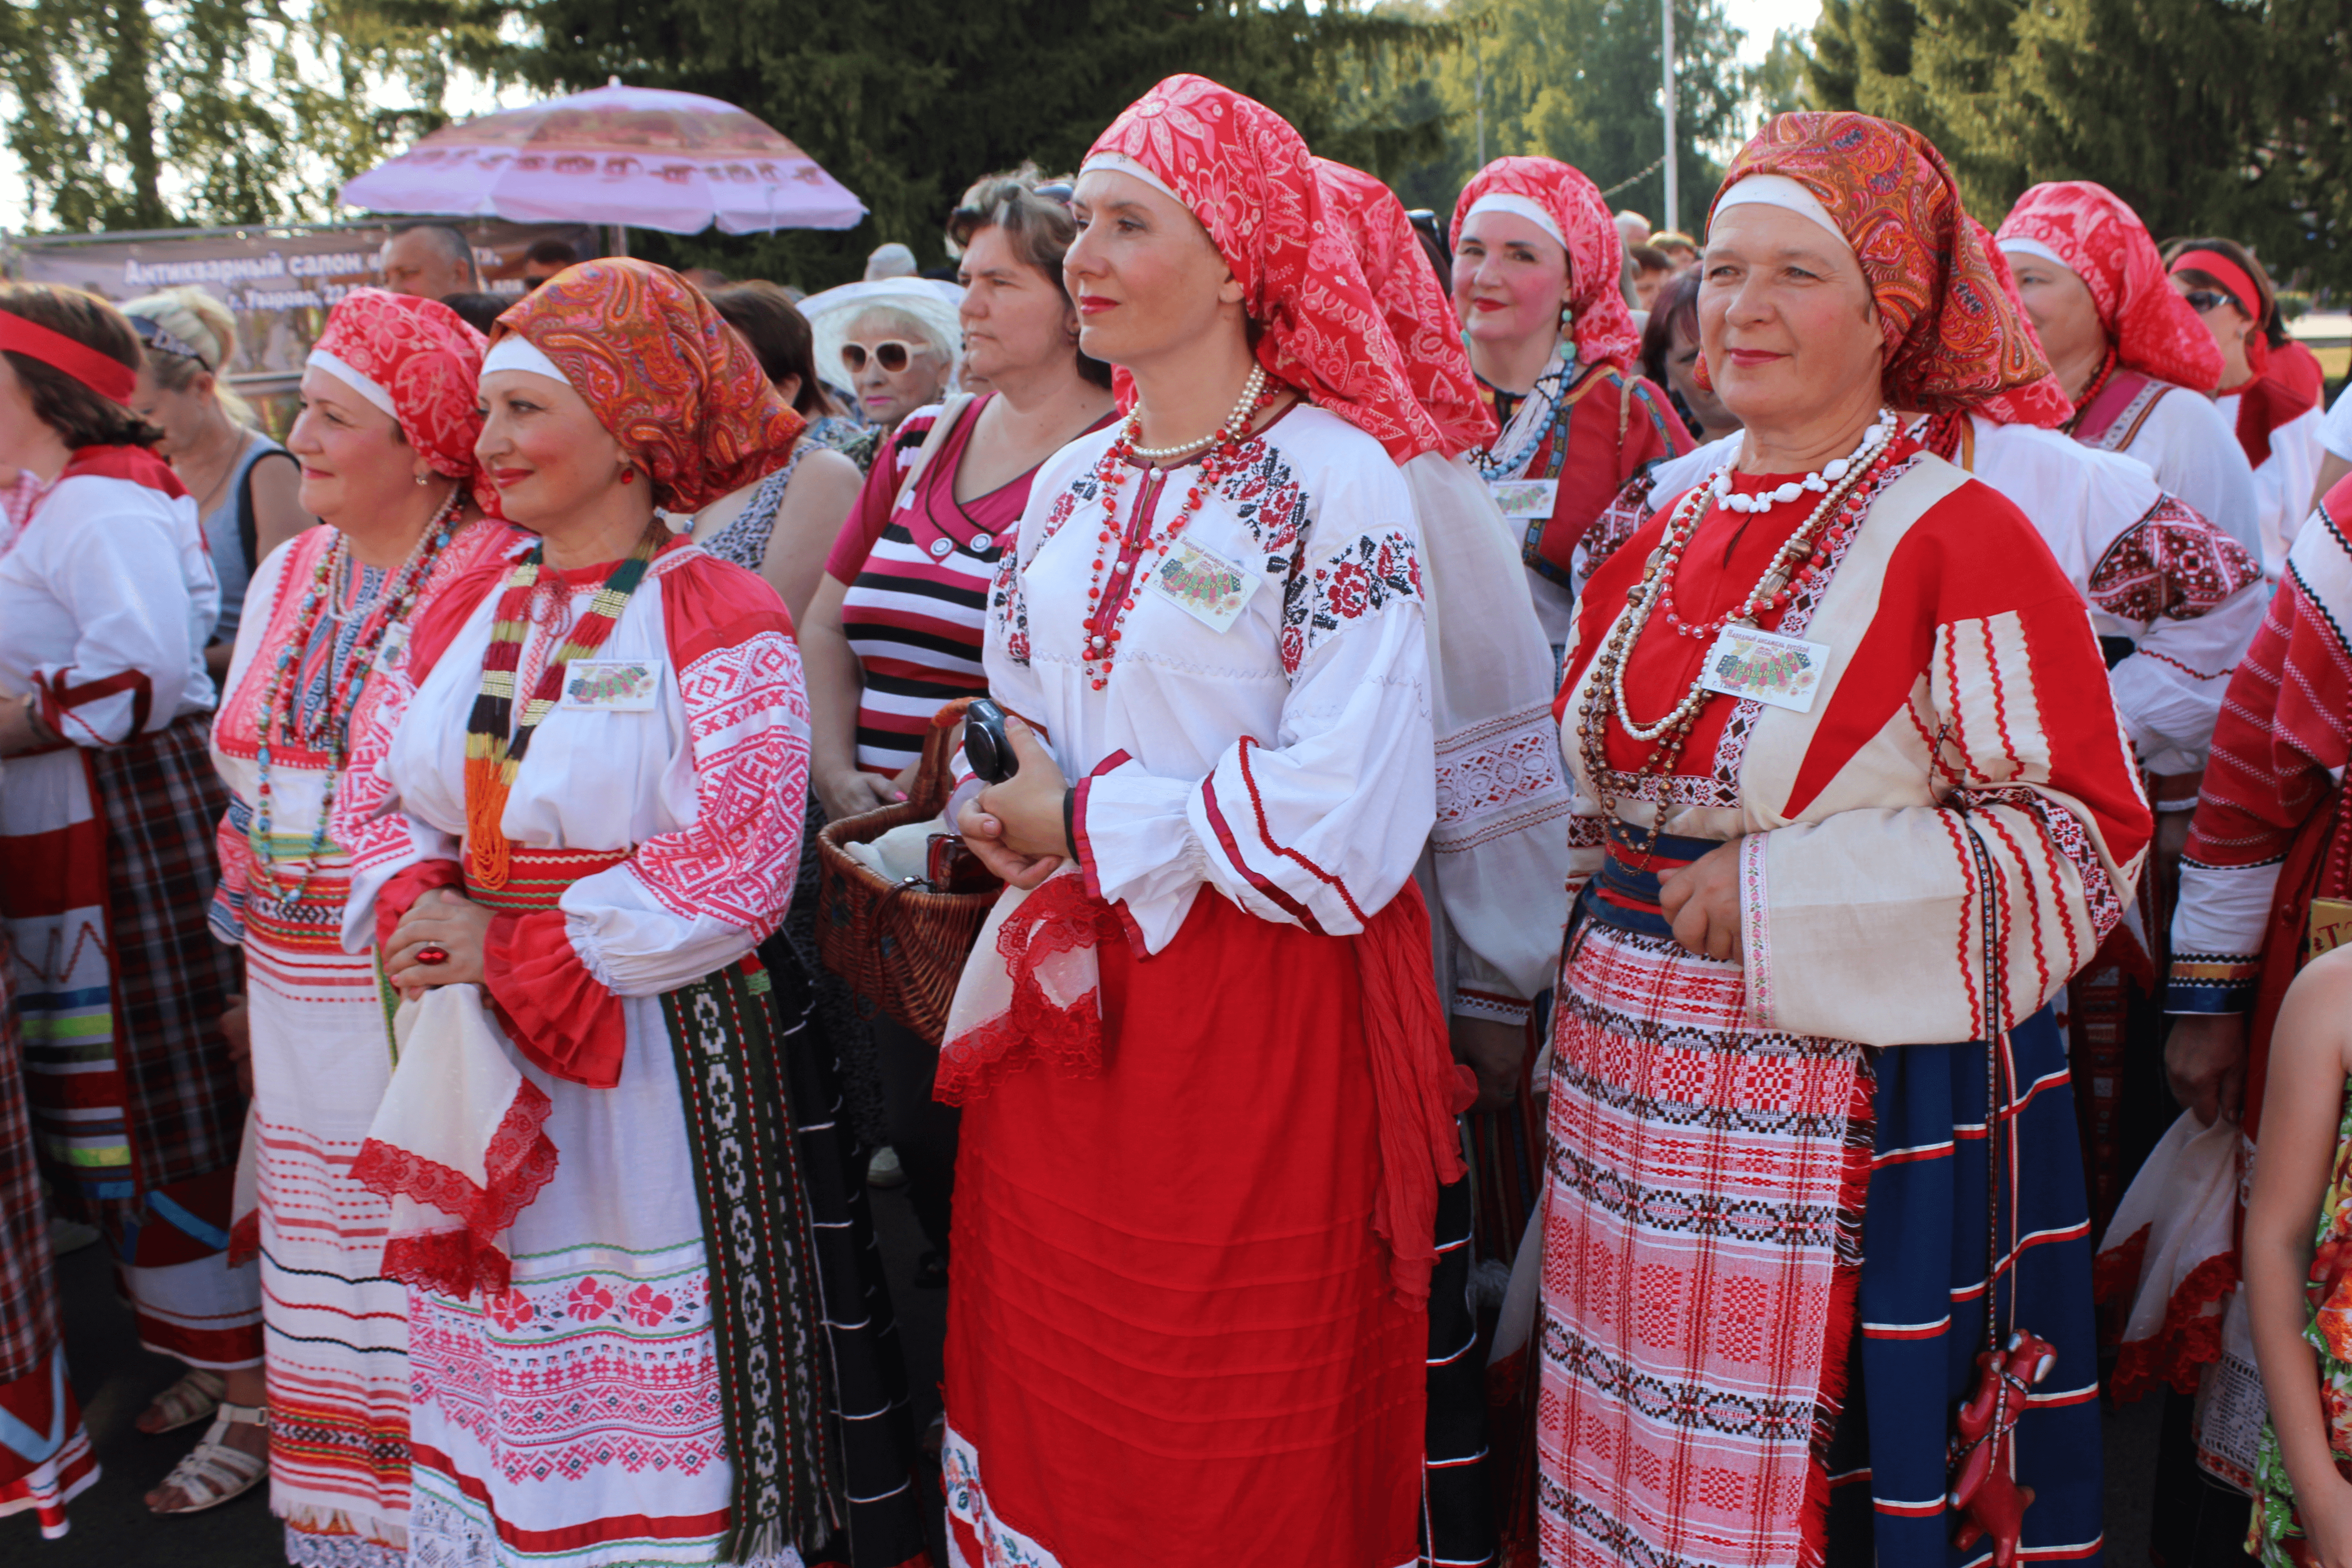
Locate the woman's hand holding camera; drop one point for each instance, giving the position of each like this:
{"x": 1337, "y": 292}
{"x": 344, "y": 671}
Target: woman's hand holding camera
{"x": 1017, "y": 828}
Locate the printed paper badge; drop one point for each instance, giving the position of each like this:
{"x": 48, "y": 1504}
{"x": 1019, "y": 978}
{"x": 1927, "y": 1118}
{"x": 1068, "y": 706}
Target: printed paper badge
{"x": 1209, "y": 588}
{"x": 612, "y": 684}
{"x": 1783, "y": 671}
{"x": 1525, "y": 497}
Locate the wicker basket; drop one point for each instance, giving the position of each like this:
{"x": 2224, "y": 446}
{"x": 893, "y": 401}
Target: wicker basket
{"x": 899, "y": 946}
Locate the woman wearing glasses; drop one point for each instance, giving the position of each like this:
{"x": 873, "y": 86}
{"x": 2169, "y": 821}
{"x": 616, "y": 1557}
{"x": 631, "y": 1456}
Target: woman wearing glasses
{"x": 892, "y": 342}
{"x": 2270, "y": 385}
{"x": 897, "y": 624}
{"x": 244, "y": 482}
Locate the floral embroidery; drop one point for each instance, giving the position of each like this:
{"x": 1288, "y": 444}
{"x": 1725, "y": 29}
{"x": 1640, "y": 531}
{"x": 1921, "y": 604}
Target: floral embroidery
{"x": 512, "y": 1311}
{"x": 588, "y": 1302}
{"x": 2170, "y": 563}
{"x": 1354, "y": 581}
{"x": 648, "y": 1307}
{"x": 1001, "y": 1546}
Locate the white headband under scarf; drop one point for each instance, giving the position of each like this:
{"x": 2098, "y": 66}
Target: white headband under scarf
{"x": 366, "y": 387}
{"x": 1119, "y": 163}
{"x": 1517, "y": 206}
{"x": 2020, "y": 245}
{"x": 515, "y": 351}
{"x": 1780, "y": 191}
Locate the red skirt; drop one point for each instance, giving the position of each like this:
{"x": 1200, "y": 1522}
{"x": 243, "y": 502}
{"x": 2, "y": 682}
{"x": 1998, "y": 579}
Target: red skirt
{"x": 1171, "y": 1337}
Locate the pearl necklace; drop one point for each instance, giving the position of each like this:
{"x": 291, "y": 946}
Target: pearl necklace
{"x": 1882, "y": 430}
{"x": 1099, "y": 638}
{"x": 1797, "y": 562}
{"x": 399, "y": 593}
{"x": 1236, "y": 424}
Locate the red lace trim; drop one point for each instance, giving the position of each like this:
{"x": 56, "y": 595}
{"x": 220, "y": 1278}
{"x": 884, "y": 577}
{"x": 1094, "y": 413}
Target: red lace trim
{"x": 520, "y": 1161}
{"x": 2188, "y": 1338}
{"x": 450, "y": 1262}
{"x": 1058, "y": 918}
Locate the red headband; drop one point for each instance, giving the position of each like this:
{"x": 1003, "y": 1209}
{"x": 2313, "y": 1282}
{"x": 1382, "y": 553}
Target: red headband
{"x": 106, "y": 376}
{"x": 2227, "y": 273}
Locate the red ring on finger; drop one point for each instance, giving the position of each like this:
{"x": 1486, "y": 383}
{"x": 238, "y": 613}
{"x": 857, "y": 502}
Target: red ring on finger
{"x": 431, "y": 956}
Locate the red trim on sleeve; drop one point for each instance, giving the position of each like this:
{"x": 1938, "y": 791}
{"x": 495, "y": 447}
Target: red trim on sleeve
{"x": 408, "y": 885}
{"x": 553, "y": 1009}
{"x": 1224, "y": 832}
{"x": 57, "y": 698}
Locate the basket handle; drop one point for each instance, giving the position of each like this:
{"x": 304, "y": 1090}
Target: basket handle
{"x": 930, "y": 795}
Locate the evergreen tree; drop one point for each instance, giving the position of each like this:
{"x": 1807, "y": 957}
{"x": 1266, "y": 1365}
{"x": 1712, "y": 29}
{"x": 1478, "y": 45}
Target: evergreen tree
{"x": 1783, "y": 81}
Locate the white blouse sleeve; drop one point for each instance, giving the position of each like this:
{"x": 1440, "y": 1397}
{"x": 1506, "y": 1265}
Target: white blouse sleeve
{"x": 1320, "y": 823}
{"x": 119, "y": 574}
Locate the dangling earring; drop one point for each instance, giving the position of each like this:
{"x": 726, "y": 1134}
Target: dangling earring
{"x": 425, "y": 479}
{"x": 628, "y": 476}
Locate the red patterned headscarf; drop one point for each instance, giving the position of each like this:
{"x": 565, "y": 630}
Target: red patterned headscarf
{"x": 1955, "y": 340}
{"x": 1240, "y": 169}
{"x": 2093, "y": 234}
{"x": 676, "y": 385}
{"x": 1420, "y": 317}
{"x": 1605, "y": 332}
{"x": 417, "y": 361}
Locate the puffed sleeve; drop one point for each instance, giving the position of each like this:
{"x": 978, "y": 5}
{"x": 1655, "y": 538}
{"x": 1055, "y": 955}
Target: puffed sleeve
{"x": 120, "y": 574}
{"x": 1921, "y": 924}
{"x": 1320, "y": 824}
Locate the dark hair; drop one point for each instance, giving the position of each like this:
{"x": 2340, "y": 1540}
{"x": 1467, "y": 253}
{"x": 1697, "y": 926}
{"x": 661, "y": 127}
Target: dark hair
{"x": 2264, "y": 312}
{"x": 1678, "y": 303}
{"x": 1433, "y": 246}
{"x": 550, "y": 253}
{"x": 82, "y": 416}
{"x": 451, "y": 239}
{"x": 780, "y": 336}
{"x": 1041, "y": 230}
{"x": 479, "y": 311}
{"x": 1650, "y": 258}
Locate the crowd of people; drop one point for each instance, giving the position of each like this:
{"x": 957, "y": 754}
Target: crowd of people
{"x": 1653, "y": 887}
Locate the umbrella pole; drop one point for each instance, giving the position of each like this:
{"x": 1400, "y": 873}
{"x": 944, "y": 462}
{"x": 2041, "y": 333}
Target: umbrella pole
{"x": 620, "y": 239}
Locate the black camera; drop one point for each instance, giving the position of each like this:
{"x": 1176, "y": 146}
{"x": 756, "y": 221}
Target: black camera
{"x": 986, "y": 746}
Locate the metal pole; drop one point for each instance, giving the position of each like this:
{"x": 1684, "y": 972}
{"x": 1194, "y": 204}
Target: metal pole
{"x": 1667, "y": 71}
{"x": 1478, "y": 88}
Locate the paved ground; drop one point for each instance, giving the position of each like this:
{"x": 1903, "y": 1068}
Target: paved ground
{"x": 112, "y": 1528}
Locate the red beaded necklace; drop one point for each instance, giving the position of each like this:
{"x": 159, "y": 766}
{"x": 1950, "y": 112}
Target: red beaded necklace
{"x": 1098, "y": 634}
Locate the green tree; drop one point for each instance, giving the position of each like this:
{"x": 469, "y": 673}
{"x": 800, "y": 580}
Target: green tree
{"x": 1782, "y": 81}
{"x": 1579, "y": 81}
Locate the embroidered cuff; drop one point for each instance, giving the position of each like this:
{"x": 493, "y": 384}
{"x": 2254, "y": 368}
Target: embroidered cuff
{"x": 1756, "y": 926}
{"x": 1489, "y": 1005}
{"x": 2211, "y": 982}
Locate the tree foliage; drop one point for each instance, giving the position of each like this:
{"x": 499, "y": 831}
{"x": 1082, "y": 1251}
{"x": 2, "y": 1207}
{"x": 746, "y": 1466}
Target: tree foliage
{"x": 1579, "y": 81}
{"x": 2212, "y": 116}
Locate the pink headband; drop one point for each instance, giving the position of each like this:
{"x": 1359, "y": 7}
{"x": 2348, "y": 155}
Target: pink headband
{"x": 104, "y": 374}
{"x": 2227, "y": 273}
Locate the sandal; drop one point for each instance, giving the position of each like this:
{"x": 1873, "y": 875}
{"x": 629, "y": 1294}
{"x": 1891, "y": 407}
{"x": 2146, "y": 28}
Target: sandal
{"x": 212, "y": 1473}
{"x": 188, "y": 1401}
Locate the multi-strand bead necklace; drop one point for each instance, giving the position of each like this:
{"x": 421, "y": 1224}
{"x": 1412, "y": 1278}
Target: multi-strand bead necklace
{"x": 1098, "y": 635}
{"x": 327, "y": 728}
{"x": 1799, "y": 558}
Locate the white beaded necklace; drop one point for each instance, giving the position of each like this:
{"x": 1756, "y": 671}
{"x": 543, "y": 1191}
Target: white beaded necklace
{"x": 1881, "y": 430}
{"x": 1236, "y": 424}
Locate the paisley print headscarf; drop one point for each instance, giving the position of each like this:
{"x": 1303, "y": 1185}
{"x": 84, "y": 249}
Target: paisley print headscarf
{"x": 1240, "y": 169}
{"x": 1579, "y": 218}
{"x": 2093, "y": 234}
{"x": 417, "y": 361}
{"x": 1420, "y": 317}
{"x": 680, "y": 391}
{"x": 1955, "y": 340}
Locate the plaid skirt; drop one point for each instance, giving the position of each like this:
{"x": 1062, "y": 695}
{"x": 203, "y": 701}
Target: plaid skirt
{"x": 29, "y": 1297}
{"x": 162, "y": 803}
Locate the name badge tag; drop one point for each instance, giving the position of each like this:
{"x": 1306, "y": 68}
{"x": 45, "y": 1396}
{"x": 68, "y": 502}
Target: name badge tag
{"x": 1783, "y": 671}
{"x": 1209, "y": 588}
{"x": 612, "y": 684}
{"x": 1525, "y": 497}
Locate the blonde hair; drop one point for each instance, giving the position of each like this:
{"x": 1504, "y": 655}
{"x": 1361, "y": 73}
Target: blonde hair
{"x": 201, "y": 320}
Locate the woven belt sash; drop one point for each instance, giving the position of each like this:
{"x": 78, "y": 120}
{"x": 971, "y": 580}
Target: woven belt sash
{"x": 537, "y": 877}
{"x": 1625, "y": 893}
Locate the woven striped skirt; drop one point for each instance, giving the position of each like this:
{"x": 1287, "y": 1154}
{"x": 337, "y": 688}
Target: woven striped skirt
{"x": 1766, "y": 1265}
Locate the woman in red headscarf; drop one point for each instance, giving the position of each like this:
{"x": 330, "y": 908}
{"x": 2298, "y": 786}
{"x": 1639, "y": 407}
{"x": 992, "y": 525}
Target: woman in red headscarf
{"x": 2270, "y": 385}
{"x": 2137, "y": 365}
{"x": 1855, "y": 807}
{"x": 1537, "y": 269}
{"x": 587, "y": 817}
{"x": 386, "y": 441}
{"x": 1499, "y": 852}
{"x": 1207, "y": 1095}
{"x": 107, "y": 601}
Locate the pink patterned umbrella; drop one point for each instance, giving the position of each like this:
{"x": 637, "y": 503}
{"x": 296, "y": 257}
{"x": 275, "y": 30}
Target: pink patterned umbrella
{"x": 631, "y": 155}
